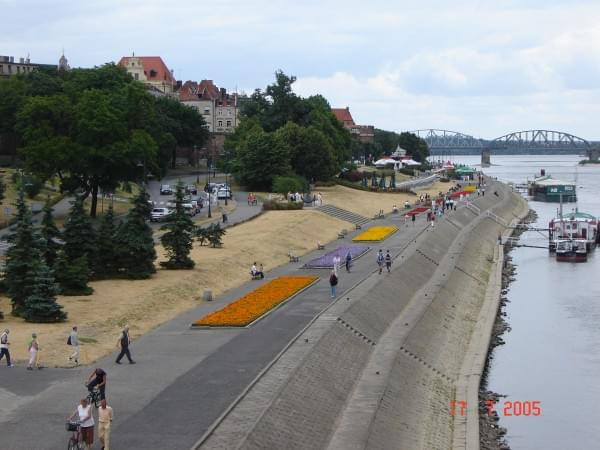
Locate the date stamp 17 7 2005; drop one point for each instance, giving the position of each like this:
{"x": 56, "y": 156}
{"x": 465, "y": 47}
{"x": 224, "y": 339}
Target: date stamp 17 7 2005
{"x": 508, "y": 408}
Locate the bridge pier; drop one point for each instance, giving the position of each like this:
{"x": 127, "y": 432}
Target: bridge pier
{"x": 485, "y": 157}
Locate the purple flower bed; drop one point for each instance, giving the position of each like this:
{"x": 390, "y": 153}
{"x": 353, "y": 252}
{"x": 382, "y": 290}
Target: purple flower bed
{"x": 326, "y": 261}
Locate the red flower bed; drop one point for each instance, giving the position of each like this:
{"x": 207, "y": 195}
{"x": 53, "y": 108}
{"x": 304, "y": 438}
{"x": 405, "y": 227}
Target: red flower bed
{"x": 415, "y": 211}
{"x": 458, "y": 194}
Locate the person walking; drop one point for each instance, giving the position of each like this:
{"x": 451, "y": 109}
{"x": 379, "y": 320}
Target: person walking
{"x": 105, "y": 418}
{"x": 33, "y": 347}
{"x": 73, "y": 341}
{"x": 86, "y": 419}
{"x": 333, "y": 281}
{"x": 388, "y": 261}
{"x": 4, "y": 347}
{"x": 348, "y": 261}
{"x": 380, "y": 260}
{"x": 124, "y": 342}
{"x": 414, "y": 217}
{"x": 336, "y": 263}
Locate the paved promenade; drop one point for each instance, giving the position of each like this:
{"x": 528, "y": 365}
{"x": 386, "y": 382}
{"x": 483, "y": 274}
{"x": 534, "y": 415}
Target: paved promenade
{"x": 184, "y": 379}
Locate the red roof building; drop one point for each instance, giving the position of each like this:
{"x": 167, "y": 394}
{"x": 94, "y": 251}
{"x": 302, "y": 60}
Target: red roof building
{"x": 365, "y": 133}
{"x": 151, "y": 70}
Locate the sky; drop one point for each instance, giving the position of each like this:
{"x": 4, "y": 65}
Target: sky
{"x": 483, "y": 68}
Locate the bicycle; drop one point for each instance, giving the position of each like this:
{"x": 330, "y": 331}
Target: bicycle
{"x": 75, "y": 439}
{"x": 93, "y": 398}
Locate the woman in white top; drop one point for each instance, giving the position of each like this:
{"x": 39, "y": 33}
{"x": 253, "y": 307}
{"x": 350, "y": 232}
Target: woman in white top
{"x": 86, "y": 419}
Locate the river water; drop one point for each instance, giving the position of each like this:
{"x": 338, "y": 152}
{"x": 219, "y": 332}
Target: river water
{"x": 552, "y": 354}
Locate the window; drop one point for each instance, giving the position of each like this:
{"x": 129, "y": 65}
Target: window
{"x": 18, "y": 69}
{"x": 220, "y": 123}
{"x": 136, "y": 76}
{"x": 207, "y": 111}
{"x": 132, "y": 64}
{"x": 1, "y": 68}
{"x": 229, "y": 123}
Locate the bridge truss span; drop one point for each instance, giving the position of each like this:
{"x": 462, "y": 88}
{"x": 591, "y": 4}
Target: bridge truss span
{"x": 448, "y": 140}
{"x": 540, "y": 140}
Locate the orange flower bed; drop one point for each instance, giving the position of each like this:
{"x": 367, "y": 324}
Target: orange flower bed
{"x": 251, "y": 306}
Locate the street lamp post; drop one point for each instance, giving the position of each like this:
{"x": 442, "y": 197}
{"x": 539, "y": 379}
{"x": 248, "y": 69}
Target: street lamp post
{"x": 227, "y": 190}
{"x": 208, "y": 186}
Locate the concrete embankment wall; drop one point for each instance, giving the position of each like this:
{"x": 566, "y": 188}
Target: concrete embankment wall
{"x": 384, "y": 373}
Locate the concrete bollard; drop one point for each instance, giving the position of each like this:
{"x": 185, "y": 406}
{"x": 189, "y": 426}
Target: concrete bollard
{"x": 207, "y": 296}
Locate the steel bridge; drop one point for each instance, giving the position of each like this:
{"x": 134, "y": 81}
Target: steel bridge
{"x": 445, "y": 141}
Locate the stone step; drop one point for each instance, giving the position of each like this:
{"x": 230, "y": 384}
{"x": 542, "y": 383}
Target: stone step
{"x": 343, "y": 214}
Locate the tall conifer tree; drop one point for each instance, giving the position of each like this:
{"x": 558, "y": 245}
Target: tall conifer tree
{"x": 177, "y": 241}
{"x": 134, "y": 240}
{"x": 49, "y": 233}
{"x": 40, "y": 305}
{"x": 21, "y": 257}
{"x": 106, "y": 261}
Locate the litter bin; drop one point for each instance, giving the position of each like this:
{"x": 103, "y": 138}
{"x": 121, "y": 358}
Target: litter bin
{"x": 224, "y": 218}
{"x": 207, "y": 296}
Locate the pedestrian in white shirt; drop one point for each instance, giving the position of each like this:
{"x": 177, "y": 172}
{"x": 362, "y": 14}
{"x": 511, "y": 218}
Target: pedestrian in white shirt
{"x": 74, "y": 342}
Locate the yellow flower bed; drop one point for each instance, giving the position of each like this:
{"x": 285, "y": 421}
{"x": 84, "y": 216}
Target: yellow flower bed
{"x": 251, "y": 306}
{"x": 376, "y": 234}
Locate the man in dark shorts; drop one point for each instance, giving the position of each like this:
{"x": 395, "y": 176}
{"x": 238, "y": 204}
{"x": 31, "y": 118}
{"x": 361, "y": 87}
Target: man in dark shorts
{"x": 99, "y": 379}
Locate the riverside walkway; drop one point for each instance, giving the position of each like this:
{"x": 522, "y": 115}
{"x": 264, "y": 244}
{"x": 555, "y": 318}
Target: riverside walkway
{"x": 185, "y": 380}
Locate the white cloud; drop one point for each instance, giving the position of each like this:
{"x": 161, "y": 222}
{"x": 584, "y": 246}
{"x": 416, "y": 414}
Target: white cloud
{"x": 484, "y": 67}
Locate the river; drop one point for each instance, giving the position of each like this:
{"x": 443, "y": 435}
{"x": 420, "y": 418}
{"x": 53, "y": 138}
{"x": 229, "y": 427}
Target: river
{"x": 552, "y": 354}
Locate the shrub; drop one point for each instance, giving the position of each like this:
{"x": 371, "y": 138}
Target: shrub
{"x": 283, "y": 185}
{"x": 274, "y": 205}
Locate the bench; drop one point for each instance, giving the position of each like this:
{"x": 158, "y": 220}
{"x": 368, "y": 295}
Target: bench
{"x": 320, "y": 246}
{"x": 357, "y": 226}
{"x": 293, "y": 257}
{"x": 342, "y": 234}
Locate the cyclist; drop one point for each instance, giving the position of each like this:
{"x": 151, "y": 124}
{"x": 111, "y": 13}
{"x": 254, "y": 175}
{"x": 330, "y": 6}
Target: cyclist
{"x": 99, "y": 379}
{"x": 86, "y": 422}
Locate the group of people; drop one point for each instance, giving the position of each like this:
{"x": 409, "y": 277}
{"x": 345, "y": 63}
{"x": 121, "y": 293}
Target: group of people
{"x": 252, "y": 199}
{"x": 257, "y": 272}
{"x": 33, "y": 348}
{"x": 84, "y": 415}
{"x": 382, "y": 260}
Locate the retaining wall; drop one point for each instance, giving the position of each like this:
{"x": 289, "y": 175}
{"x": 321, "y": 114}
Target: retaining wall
{"x": 384, "y": 373}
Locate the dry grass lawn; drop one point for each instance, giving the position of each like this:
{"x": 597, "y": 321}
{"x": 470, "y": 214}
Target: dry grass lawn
{"x": 369, "y": 203}
{"x": 146, "y": 304}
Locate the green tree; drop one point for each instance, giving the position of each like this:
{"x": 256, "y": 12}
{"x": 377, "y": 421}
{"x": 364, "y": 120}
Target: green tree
{"x": 178, "y": 239}
{"x": 260, "y": 159}
{"x": 283, "y": 185}
{"x": 181, "y": 122}
{"x": 415, "y": 146}
{"x": 107, "y": 259}
{"x": 22, "y": 257}
{"x": 134, "y": 240}
{"x": 79, "y": 234}
{"x": 215, "y": 235}
{"x": 310, "y": 152}
{"x": 72, "y": 275}
{"x": 50, "y": 234}
{"x": 40, "y": 305}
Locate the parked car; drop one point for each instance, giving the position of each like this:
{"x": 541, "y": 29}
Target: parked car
{"x": 191, "y": 189}
{"x": 190, "y": 209}
{"x": 160, "y": 214}
{"x": 166, "y": 189}
{"x": 224, "y": 193}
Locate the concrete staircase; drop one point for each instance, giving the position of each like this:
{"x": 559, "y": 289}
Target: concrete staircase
{"x": 343, "y": 214}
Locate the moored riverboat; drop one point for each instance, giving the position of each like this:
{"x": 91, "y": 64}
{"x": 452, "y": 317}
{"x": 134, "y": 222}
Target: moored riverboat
{"x": 575, "y": 226}
{"x": 547, "y": 189}
{"x": 571, "y": 250}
